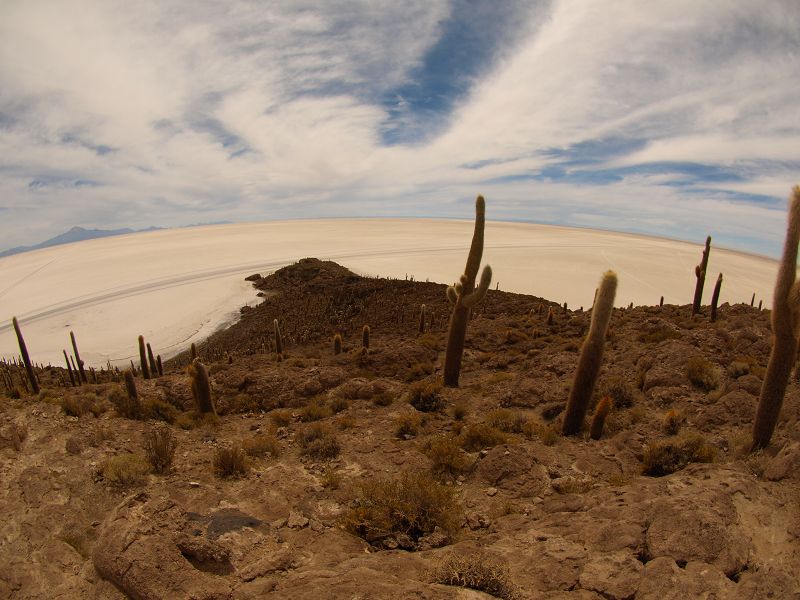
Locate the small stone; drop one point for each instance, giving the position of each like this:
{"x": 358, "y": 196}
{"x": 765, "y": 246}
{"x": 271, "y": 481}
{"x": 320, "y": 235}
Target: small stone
{"x": 194, "y": 484}
{"x": 491, "y": 492}
{"x": 296, "y": 521}
{"x": 95, "y": 523}
{"x": 483, "y": 453}
{"x": 278, "y": 523}
{"x": 316, "y": 526}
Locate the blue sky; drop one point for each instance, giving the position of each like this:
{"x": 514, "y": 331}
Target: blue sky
{"x": 676, "y": 118}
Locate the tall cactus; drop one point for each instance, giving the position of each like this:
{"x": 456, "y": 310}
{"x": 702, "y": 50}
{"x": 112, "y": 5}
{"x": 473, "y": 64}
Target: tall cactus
{"x": 143, "y": 358}
{"x": 69, "y": 369}
{"x": 365, "y": 331}
{"x": 700, "y": 273}
{"x": 785, "y": 330}
{"x": 715, "y": 298}
{"x": 151, "y": 361}
{"x": 465, "y": 295}
{"x": 78, "y": 360}
{"x": 278, "y": 338}
{"x": 591, "y": 356}
{"x": 23, "y": 349}
{"x": 201, "y": 387}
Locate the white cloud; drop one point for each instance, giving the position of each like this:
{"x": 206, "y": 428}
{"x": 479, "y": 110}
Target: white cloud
{"x": 253, "y": 110}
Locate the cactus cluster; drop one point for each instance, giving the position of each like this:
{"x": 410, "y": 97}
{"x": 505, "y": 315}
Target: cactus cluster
{"x": 464, "y": 296}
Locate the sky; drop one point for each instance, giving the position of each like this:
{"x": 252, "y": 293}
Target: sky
{"x": 677, "y": 119}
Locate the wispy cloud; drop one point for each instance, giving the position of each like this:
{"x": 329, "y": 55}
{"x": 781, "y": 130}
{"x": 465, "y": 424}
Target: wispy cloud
{"x": 677, "y": 118}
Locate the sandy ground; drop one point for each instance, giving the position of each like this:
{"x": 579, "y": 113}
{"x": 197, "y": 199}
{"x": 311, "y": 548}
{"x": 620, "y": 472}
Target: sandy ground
{"x": 177, "y": 286}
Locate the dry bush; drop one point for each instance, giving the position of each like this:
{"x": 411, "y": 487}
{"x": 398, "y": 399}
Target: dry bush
{"x": 158, "y": 410}
{"x": 668, "y": 456}
{"x": 659, "y": 335}
{"x": 459, "y": 410}
{"x": 318, "y": 441}
{"x": 425, "y": 396}
{"x": 159, "y": 448}
{"x": 338, "y": 404}
{"x": 507, "y": 420}
{"x": 73, "y": 445}
{"x": 331, "y": 480}
{"x": 702, "y": 373}
{"x": 230, "y": 461}
{"x": 446, "y": 455}
{"x": 479, "y": 436}
{"x": 621, "y": 392}
{"x": 418, "y": 371}
{"x": 476, "y": 571}
{"x": 407, "y": 425}
{"x": 126, "y": 470}
{"x": 79, "y": 405}
{"x": 411, "y": 505}
{"x": 261, "y": 445}
{"x": 315, "y": 411}
{"x": 124, "y": 405}
{"x": 346, "y": 422}
{"x": 384, "y": 398}
{"x": 547, "y": 434}
{"x": 281, "y": 417}
{"x": 671, "y": 424}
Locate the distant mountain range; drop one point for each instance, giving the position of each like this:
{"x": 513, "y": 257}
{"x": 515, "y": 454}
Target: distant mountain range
{"x": 76, "y": 234}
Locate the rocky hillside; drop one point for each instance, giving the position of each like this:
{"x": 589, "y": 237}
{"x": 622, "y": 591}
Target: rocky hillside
{"x": 357, "y": 475}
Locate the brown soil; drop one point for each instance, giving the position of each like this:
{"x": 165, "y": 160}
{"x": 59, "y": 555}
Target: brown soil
{"x": 536, "y": 515}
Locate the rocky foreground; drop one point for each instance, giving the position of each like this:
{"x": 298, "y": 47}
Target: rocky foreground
{"x": 356, "y": 475}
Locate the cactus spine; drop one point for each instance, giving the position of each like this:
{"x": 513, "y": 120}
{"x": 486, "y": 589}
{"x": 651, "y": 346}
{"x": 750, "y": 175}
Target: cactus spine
{"x": 143, "y": 358}
{"x": 23, "y": 349}
{"x": 715, "y": 298}
{"x": 599, "y": 418}
{"x": 785, "y": 329}
{"x": 591, "y": 356}
{"x": 700, "y": 273}
{"x": 464, "y": 296}
{"x": 201, "y": 387}
{"x": 78, "y": 358}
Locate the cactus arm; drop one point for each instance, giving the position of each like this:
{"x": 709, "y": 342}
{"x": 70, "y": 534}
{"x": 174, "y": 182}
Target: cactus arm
{"x": 473, "y": 298}
{"x": 452, "y": 295}
{"x": 476, "y": 248}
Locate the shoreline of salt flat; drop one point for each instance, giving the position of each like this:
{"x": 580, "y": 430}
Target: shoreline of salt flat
{"x": 179, "y": 285}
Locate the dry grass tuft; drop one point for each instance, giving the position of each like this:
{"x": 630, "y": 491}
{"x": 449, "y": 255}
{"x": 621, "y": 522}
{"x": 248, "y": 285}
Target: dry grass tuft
{"x": 479, "y": 436}
{"x": 668, "y": 456}
{"x": 507, "y": 420}
{"x": 425, "y": 396}
{"x": 126, "y": 470}
{"x": 407, "y": 425}
{"x": 476, "y": 571}
{"x": 261, "y": 445}
{"x": 230, "y": 461}
{"x": 702, "y": 373}
{"x": 159, "y": 448}
{"x": 404, "y": 508}
{"x": 446, "y": 455}
{"x": 318, "y": 441}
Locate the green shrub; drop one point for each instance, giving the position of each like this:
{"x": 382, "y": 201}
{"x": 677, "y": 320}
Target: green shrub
{"x": 668, "y": 456}
{"x": 411, "y": 505}
{"x": 425, "y": 396}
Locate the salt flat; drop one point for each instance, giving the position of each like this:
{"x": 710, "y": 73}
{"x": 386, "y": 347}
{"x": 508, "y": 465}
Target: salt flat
{"x": 177, "y": 286}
